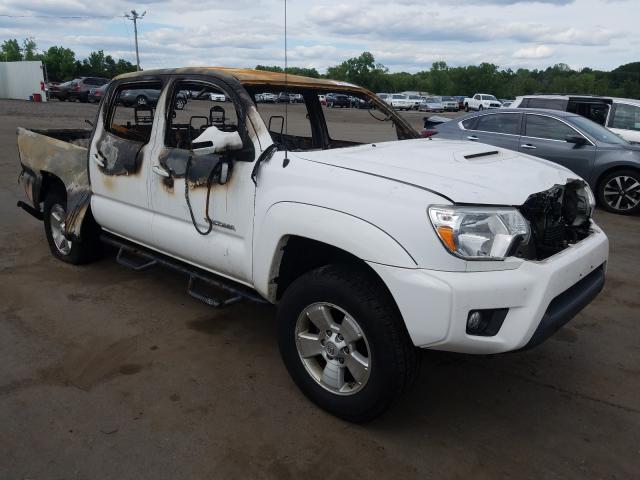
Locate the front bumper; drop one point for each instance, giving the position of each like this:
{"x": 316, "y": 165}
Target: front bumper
{"x": 541, "y": 297}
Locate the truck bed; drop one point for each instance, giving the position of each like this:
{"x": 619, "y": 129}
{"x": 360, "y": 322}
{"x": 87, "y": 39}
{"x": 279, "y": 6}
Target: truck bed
{"x": 53, "y": 155}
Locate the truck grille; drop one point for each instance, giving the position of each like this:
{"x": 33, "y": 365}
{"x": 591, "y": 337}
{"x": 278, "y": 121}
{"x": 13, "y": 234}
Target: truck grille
{"x": 558, "y": 217}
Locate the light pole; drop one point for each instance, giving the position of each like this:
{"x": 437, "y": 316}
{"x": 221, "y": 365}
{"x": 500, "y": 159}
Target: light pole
{"x": 135, "y": 17}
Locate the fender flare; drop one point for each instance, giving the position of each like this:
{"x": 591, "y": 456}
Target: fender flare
{"x": 284, "y": 219}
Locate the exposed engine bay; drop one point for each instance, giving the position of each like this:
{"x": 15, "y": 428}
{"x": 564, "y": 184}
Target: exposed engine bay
{"x": 559, "y": 217}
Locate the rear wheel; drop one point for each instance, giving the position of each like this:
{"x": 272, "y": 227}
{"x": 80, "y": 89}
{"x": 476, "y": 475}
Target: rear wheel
{"x": 619, "y": 192}
{"x": 76, "y": 252}
{"x": 344, "y": 343}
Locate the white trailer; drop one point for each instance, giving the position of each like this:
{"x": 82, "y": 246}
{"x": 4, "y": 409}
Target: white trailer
{"x": 21, "y": 80}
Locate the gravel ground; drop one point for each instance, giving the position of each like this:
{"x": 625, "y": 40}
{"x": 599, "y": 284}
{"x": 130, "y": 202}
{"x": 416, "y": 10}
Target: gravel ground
{"x": 111, "y": 374}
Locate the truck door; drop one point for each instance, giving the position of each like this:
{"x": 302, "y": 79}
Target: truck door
{"x": 201, "y": 189}
{"x": 119, "y": 159}
{"x": 546, "y": 137}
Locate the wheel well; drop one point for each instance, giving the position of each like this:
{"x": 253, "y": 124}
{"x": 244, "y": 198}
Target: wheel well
{"x": 50, "y": 183}
{"x": 610, "y": 171}
{"x": 301, "y": 255}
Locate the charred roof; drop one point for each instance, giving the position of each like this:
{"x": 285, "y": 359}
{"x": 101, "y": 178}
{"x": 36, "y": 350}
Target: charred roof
{"x": 248, "y": 76}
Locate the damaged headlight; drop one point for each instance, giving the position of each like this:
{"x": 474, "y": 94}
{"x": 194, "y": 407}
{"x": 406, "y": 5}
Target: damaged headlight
{"x": 479, "y": 233}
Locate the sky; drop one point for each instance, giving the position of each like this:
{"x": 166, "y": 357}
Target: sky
{"x": 404, "y": 35}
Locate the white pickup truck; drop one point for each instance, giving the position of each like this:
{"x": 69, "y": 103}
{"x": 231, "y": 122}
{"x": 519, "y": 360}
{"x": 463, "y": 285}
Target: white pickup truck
{"x": 368, "y": 247}
{"x": 481, "y": 101}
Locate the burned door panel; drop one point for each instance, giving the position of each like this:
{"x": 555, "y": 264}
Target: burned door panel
{"x": 118, "y": 155}
{"x": 202, "y": 169}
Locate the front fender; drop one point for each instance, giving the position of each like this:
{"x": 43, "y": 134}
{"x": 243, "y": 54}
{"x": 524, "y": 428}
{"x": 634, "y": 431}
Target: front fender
{"x": 333, "y": 227}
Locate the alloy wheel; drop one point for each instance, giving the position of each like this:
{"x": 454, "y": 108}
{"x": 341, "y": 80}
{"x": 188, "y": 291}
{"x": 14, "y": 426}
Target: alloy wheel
{"x": 622, "y": 193}
{"x": 333, "y": 348}
{"x": 57, "y": 220}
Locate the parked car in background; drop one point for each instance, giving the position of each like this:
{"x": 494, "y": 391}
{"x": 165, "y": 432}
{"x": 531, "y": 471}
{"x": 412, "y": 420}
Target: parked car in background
{"x": 481, "y": 101}
{"x": 148, "y": 97}
{"x": 79, "y": 89}
{"x": 60, "y": 91}
{"x": 284, "y": 97}
{"x": 385, "y": 97}
{"x": 450, "y": 104}
{"x": 399, "y": 101}
{"x": 96, "y": 94}
{"x": 610, "y": 164}
{"x": 268, "y": 97}
{"x": 460, "y": 99}
{"x": 506, "y": 103}
{"x": 357, "y": 102}
{"x": 338, "y": 100}
{"x": 620, "y": 115}
{"x": 217, "y": 97}
{"x": 431, "y": 104}
{"x": 416, "y": 100}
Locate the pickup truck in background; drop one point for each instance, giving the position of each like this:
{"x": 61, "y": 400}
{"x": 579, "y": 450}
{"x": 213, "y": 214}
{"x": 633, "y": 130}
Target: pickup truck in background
{"x": 481, "y": 101}
{"x": 369, "y": 246}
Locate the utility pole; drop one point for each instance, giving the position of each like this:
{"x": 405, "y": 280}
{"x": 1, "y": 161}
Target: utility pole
{"x": 135, "y": 17}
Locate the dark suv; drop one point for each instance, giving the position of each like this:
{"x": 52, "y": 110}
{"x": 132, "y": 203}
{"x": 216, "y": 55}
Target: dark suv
{"x": 80, "y": 87}
{"x": 338, "y": 100}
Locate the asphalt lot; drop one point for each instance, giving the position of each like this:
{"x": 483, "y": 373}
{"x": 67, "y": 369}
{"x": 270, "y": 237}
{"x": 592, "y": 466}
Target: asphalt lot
{"x": 107, "y": 373}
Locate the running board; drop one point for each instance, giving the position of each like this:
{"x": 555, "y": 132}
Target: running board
{"x": 139, "y": 259}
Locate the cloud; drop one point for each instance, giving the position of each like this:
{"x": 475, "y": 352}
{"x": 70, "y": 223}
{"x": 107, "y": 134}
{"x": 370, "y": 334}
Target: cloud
{"x": 537, "y": 52}
{"x": 402, "y": 34}
{"x": 418, "y": 25}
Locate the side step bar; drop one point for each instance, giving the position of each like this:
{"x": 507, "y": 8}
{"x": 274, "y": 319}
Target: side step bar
{"x": 139, "y": 259}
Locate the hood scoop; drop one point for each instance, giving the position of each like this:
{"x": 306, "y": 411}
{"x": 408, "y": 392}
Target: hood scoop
{"x": 471, "y": 156}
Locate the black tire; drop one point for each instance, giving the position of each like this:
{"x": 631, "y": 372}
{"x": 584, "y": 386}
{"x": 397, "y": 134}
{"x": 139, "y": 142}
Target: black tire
{"x": 466, "y": 107}
{"x": 620, "y": 180}
{"x": 394, "y": 359}
{"x": 82, "y": 251}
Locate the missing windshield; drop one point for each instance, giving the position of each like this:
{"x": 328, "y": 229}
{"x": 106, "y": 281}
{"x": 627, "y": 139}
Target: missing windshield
{"x": 302, "y": 119}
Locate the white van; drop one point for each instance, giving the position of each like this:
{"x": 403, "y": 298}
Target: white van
{"x": 620, "y": 115}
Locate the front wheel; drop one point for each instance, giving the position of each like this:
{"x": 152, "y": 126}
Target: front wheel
{"x": 619, "y": 192}
{"x": 344, "y": 343}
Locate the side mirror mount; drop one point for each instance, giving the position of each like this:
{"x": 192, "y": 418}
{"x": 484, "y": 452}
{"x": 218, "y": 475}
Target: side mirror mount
{"x": 577, "y": 140}
{"x": 213, "y": 140}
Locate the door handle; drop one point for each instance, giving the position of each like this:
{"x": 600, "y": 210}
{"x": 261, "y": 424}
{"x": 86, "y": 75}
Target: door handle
{"x": 98, "y": 160}
{"x": 158, "y": 170}
{"x": 528, "y": 146}
{"x": 472, "y": 137}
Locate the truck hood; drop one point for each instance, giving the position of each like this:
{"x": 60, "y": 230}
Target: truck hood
{"x": 462, "y": 172}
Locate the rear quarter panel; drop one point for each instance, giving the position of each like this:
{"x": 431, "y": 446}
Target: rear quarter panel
{"x": 41, "y": 155}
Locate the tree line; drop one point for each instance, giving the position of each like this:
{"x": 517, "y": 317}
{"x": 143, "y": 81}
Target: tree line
{"x": 442, "y": 79}
{"x": 61, "y": 63}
